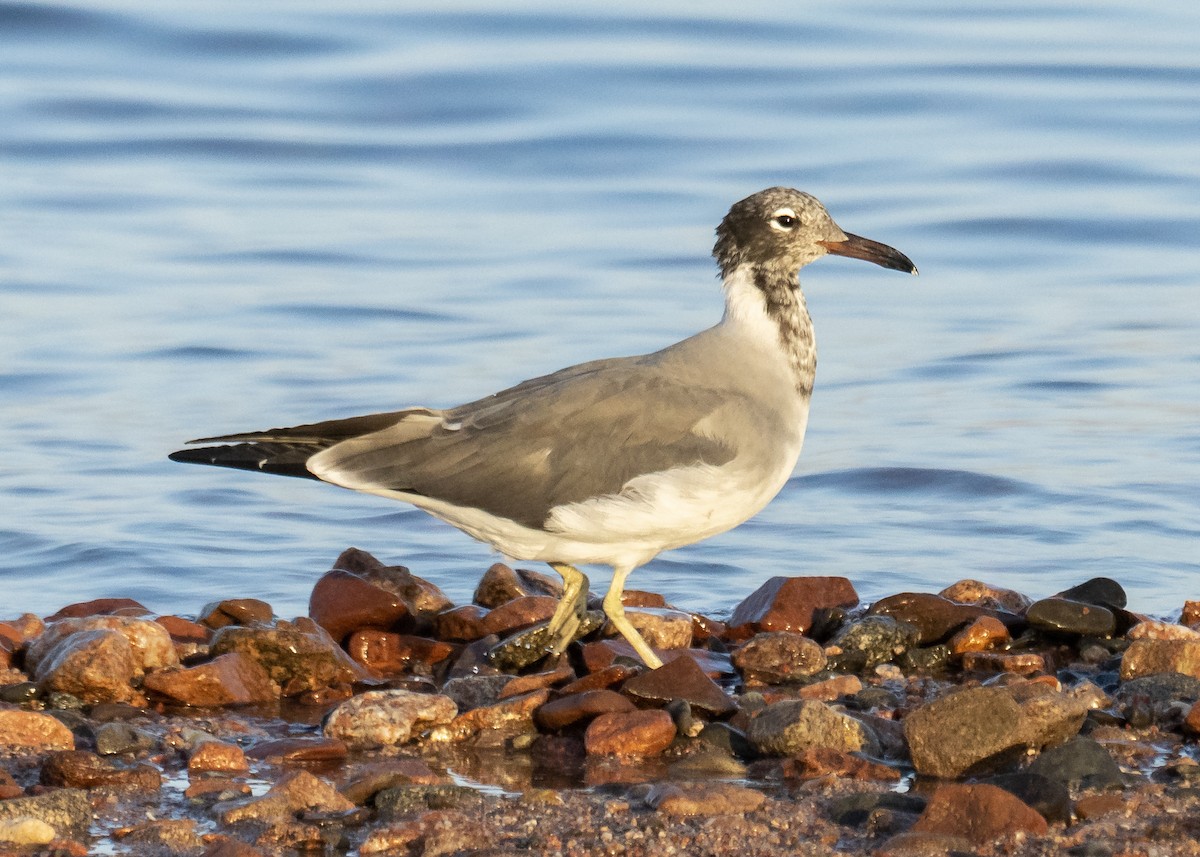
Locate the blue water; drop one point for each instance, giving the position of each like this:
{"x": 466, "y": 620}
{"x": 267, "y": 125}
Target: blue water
{"x": 228, "y": 216}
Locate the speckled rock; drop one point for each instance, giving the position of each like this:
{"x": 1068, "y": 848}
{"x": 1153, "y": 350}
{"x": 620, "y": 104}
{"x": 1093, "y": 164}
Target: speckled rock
{"x": 660, "y": 627}
{"x": 978, "y": 812}
{"x": 689, "y": 800}
{"x": 868, "y": 642}
{"x": 294, "y": 792}
{"x": 299, "y": 656}
{"x": 531, "y": 645}
{"x": 473, "y": 691}
{"x": 629, "y": 733}
{"x": 792, "y": 726}
{"x": 118, "y": 737}
{"x": 96, "y": 666}
{"x": 985, "y": 595}
{"x": 33, "y": 731}
{"x": 778, "y": 657}
{"x": 1149, "y": 656}
{"x": 217, "y": 757}
{"x": 342, "y": 602}
{"x": 381, "y": 718}
{"x": 79, "y": 769}
{"x": 229, "y": 679}
{"x": 26, "y": 831}
{"x": 510, "y": 715}
{"x": 67, "y": 811}
{"x": 681, "y": 678}
{"x": 501, "y": 584}
{"x": 149, "y": 642}
{"x": 951, "y": 735}
{"x": 789, "y": 604}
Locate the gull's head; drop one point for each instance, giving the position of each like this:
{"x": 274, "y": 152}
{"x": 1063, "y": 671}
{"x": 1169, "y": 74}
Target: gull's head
{"x": 781, "y": 230}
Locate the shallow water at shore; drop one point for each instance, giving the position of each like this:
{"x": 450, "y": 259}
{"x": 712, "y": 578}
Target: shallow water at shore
{"x": 221, "y": 219}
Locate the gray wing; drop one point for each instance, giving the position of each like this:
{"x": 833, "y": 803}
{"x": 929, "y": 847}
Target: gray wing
{"x": 579, "y": 433}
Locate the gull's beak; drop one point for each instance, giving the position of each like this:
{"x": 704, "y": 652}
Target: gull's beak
{"x": 857, "y": 247}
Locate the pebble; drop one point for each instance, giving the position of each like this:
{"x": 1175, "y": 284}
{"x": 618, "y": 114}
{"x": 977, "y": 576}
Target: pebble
{"x": 235, "y": 611}
{"x": 789, "y": 604}
{"x": 230, "y": 679}
{"x": 1081, "y": 763}
{"x": 117, "y": 738}
{"x": 26, "y": 831}
{"x": 1065, "y": 616}
{"x": 1017, "y": 663}
{"x": 217, "y": 757}
{"x": 950, "y": 735}
{"x": 474, "y": 691}
{"x": 777, "y": 657}
{"x": 982, "y": 634}
{"x": 978, "y": 812}
{"x": 575, "y": 707}
{"x": 298, "y": 656}
{"x": 691, "y": 800}
{"x": 501, "y": 584}
{"x": 834, "y": 687}
{"x": 382, "y": 718}
{"x": 681, "y": 678}
{"x": 789, "y": 727}
{"x": 629, "y": 733}
{"x": 501, "y": 718}
{"x": 342, "y": 602}
{"x": 813, "y": 762}
{"x": 33, "y": 731}
{"x": 518, "y": 614}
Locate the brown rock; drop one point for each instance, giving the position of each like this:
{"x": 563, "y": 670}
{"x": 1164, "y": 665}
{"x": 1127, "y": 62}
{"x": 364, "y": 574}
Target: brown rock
{"x": 8, "y": 786}
{"x": 1152, "y": 629}
{"x": 342, "y": 603}
{"x": 96, "y": 666}
{"x": 23, "y": 629}
{"x": 951, "y": 735}
{"x": 299, "y": 751}
{"x": 365, "y": 781}
{"x": 788, "y": 604}
{"x": 33, "y": 731}
{"x": 661, "y": 627}
{"x": 230, "y": 679}
{"x": 934, "y": 617}
{"x": 1190, "y": 615}
{"x": 502, "y": 718}
{"x": 570, "y": 709}
{"x": 781, "y": 656}
{"x": 519, "y": 613}
{"x": 813, "y": 762}
{"x": 1019, "y": 663}
{"x": 501, "y": 584}
{"x": 629, "y": 733}
{"x": 185, "y": 630}
{"x": 981, "y": 813}
{"x": 681, "y": 678}
{"x": 1191, "y": 723}
{"x": 789, "y": 727}
{"x": 986, "y": 595}
{"x": 832, "y": 688}
{"x": 299, "y": 656}
{"x": 294, "y": 792}
{"x": 688, "y": 800}
{"x": 78, "y": 769}
{"x": 216, "y": 788}
{"x": 101, "y": 607}
{"x": 984, "y": 633}
{"x": 235, "y": 611}
{"x": 217, "y": 757}
{"x": 381, "y": 718}
{"x": 225, "y": 846}
{"x": 1148, "y": 657}
{"x": 600, "y": 679}
{"x": 1096, "y": 805}
{"x": 536, "y": 681}
{"x": 389, "y": 653}
{"x": 168, "y": 836}
{"x": 149, "y": 643}
{"x": 423, "y": 599}
{"x": 460, "y": 624}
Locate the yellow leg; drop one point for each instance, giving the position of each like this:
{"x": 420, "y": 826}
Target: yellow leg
{"x": 615, "y": 611}
{"x": 572, "y": 607}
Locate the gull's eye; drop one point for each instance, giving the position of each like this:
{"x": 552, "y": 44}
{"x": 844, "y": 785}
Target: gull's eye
{"x": 784, "y": 219}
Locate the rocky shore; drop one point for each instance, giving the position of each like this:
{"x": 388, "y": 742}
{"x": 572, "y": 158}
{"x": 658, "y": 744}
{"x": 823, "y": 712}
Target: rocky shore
{"x": 391, "y": 721}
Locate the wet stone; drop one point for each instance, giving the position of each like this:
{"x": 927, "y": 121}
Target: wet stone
{"x": 985, "y": 595}
{"x": 576, "y": 707}
{"x": 299, "y": 656}
{"x": 1081, "y": 763}
{"x": 229, "y": 679}
{"x": 681, "y": 678}
{"x": 389, "y": 653}
{"x": 660, "y": 627}
{"x": 1018, "y": 663}
{"x": 727, "y": 738}
{"x": 149, "y": 643}
{"x": 1049, "y": 797}
{"x": 80, "y": 769}
{"x": 834, "y": 687}
{"x": 460, "y": 624}
{"x": 1064, "y": 616}
{"x": 299, "y": 751}
{"x": 951, "y": 735}
{"x": 475, "y": 691}
{"x": 934, "y": 617}
{"x": 538, "y": 681}
{"x": 531, "y": 645}
{"x": 294, "y": 792}
{"x": 101, "y": 607}
{"x": 399, "y": 801}
{"x": 95, "y": 666}
{"x": 1149, "y": 657}
{"x": 978, "y": 812}
{"x": 789, "y": 604}
{"x": 814, "y": 762}
{"x": 792, "y": 726}
{"x": 366, "y": 781}
{"x": 235, "y": 611}
{"x": 778, "y": 657}
{"x": 868, "y": 642}
{"x": 981, "y": 635}
{"x": 518, "y": 614}
{"x": 68, "y": 811}
{"x": 501, "y": 584}
{"x": 493, "y": 723}
{"x": 1099, "y": 590}
{"x": 854, "y": 810}
{"x": 381, "y": 718}
{"x": 342, "y": 602}
{"x": 690, "y": 800}
{"x": 629, "y": 733}
{"x": 925, "y": 658}
{"x": 217, "y": 757}
{"x": 32, "y": 730}
{"x": 117, "y": 738}
{"x": 423, "y": 599}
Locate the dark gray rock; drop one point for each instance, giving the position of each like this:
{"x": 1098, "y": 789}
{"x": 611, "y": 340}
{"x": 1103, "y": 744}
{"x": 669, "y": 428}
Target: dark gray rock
{"x": 1081, "y": 763}
{"x": 1074, "y": 618}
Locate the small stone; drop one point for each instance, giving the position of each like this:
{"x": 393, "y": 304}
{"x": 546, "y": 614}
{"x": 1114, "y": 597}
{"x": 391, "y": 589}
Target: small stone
{"x": 1090, "y": 807}
{"x": 855, "y": 810}
{"x": 382, "y": 718}
{"x": 834, "y": 687}
{"x": 501, "y": 584}
{"x": 1150, "y": 656}
{"x": 570, "y": 709}
{"x": 229, "y": 679}
{"x": 1081, "y": 763}
{"x": 68, "y": 811}
{"x": 789, "y": 604}
{"x": 982, "y": 634}
{"x": 867, "y": 642}
{"x": 79, "y": 769}
{"x": 988, "y": 596}
{"x": 224, "y": 846}
{"x": 101, "y": 607}
{"x": 1150, "y": 629}
{"x": 294, "y": 792}
{"x": 185, "y": 630}
{"x": 1191, "y": 723}
{"x": 1049, "y": 797}
{"x": 460, "y": 624}
{"x": 949, "y": 736}
{"x": 217, "y": 757}
{"x": 149, "y": 643}
{"x": 934, "y": 617}
{"x": 475, "y": 691}
{"x": 342, "y": 602}
{"x": 1018, "y": 663}
{"x": 513, "y": 714}
{"x": 423, "y": 599}
{"x": 116, "y": 738}
{"x": 660, "y": 627}
{"x": 610, "y": 676}
{"x": 978, "y": 812}
{"x": 168, "y": 836}
{"x": 681, "y": 678}
{"x": 26, "y": 831}
{"x": 366, "y": 781}
{"x": 629, "y": 733}
{"x": 235, "y": 611}
{"x": 1099, "y": 590}
{"x": 690, "y": 800}
{"x": 1076, "y": 618}
{"x": 778, "y": 657}
{"x": 789, "y": 727}
{"x": 518, "y": 614}
{"x": 299, "y": 751}
{"x": 1190, "y": 615}
{"x": 299, "y": 656}
{"x": 537, "y": 681}
{"x": 33, "y": 731}
{"x": 95, "y": 666}
{"x": 813, "y": 762}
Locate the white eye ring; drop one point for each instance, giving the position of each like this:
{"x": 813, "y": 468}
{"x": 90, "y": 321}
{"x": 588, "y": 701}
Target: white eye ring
{"x": 784, "y": 220}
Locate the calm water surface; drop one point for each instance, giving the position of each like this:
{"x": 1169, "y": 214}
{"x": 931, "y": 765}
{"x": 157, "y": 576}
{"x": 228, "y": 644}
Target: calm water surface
{"x": 219, "y": 216}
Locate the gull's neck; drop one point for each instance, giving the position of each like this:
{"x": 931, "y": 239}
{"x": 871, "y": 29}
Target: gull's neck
{"x": 767, "y": 305}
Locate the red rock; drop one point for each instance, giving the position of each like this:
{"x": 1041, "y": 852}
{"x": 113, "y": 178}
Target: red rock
{"x": 602, "y": 654}
{"x": 979, "y": 812}
{"x": 934, "y": 617}
{"x": 460, "y": 624}
{"x": 1190, "y": 615}
{"x": 681, "y": 678}
{"x": 389, "y": 653}
{"x": 79, "y": 769}
{"x": 536, "y": 681}
{"x": 501, "y": 584}
{"x": 641, "y": 598}
{"x": 705, "y": 628}
{"x": 630, "y": 733}
{"x": 342, "y": 602}
{"x": 1020, "y": 663}
{"x": 294, "y": 792}
{"x": 566, "y": 710}
{"x": 986, "y": 595}
{"x": 689, "y": 800}
{"x": 788, "y": 604}
{"x": 34, "y": 731}
{"x": 8, "y": 786}
{"x": 185, "y": 630}
{"x": 96, "y": 666}
{"x": 101, "y": 607}
{"x": 832, "y": 688}
{"x": 984, "y": 633}
{"x": 230, "y": 679}
{"x": 781, "y": 656}
{"x": 813, "y": 762}
{"x": 423, "y": 599}
{"x": 217, "y": 757}
{"x": 218, "y": 788}
{"x": 600, "y": 679}
{"x": 1096, "y": 805}
{"x": 235, "y": 611}
{"x": 23, "y": 629}
{"x": 519, "y": 613}
{"x": 295, "y": 751}
{"x": 6, "y": 653}
{"x": 1191, "y": 722}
